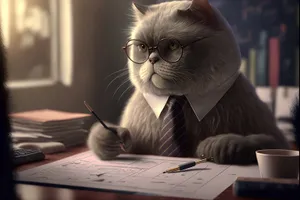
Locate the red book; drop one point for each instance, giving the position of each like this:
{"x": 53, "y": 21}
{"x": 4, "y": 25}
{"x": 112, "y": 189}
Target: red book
{"x": 274, "y": 61}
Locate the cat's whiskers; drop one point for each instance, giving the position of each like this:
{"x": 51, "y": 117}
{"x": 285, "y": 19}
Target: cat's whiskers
{"x": 177, "y": 76}
{"x": 129, "y": 87}
{"x": 119, "y": 76}
{"x": 123, "y": 83}
{"x": 118, "y": 71}
{"x": 189, "y": 73}
{"x": 183, "y": 71}
{"x": 183, "y": 76}
{"x": 177, "y": 73}
{"x": 181, "y": 79}
{"x": 167, "y": 73}
{"x": 174, "y": 81}
{"x": 127, "y": 80}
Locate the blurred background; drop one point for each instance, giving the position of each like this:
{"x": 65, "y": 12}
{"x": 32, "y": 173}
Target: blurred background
{"x": 62, "y": 52}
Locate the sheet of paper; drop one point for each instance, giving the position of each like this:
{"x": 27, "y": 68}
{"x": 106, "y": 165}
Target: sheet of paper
{"x": 138, "y": 174}
{"x": 285, "y": 99}
{"x": 265, "y": 94}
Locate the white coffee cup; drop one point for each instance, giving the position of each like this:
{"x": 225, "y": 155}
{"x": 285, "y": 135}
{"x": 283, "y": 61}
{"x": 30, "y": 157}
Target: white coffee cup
{"x": 278, "y": 163}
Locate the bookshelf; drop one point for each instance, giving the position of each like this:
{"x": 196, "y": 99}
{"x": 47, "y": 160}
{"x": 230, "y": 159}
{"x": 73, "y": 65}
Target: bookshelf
{"x": 268, "y": 34}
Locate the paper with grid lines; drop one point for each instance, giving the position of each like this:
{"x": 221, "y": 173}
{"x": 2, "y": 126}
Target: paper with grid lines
{"x": 138, "y": 174}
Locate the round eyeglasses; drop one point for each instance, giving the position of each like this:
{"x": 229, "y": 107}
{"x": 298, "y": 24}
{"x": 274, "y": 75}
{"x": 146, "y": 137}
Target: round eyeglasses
{"x": 170, "y": 50}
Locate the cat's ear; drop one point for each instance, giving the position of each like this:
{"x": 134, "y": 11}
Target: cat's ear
{"x": 139, "y": 10}
{"x": 200, "y": 10}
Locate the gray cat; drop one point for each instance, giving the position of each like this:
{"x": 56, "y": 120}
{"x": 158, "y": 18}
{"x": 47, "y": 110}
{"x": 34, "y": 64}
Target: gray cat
{"x": 187, "y": 48}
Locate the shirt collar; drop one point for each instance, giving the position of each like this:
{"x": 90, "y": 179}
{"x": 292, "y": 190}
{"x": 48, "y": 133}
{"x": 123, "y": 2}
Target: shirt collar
{"x": 201, "y": 104}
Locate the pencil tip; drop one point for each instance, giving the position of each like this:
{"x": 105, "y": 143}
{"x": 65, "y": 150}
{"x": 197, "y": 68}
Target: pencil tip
{"x": 87, "y": 106}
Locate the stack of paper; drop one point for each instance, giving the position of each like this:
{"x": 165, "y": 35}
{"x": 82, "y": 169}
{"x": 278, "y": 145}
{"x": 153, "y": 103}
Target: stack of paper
{"x": 285, "y": 101}
{"x": 40, "y": 126}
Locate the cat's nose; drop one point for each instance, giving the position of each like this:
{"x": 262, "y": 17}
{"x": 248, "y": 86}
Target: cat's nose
{"x": 153, "y": 58}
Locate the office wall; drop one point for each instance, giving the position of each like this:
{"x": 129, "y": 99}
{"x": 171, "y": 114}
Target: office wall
{"x": 99, "y": 31}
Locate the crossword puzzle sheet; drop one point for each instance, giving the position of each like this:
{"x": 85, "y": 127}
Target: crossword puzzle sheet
{"x": 138, "y": 174}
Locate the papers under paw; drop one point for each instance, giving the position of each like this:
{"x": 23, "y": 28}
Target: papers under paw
{"x": 227, "y": 149}
{"x": 106, "y": 144}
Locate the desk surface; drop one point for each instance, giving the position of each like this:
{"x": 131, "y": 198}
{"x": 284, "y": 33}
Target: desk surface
{"x": 28, "y": 192}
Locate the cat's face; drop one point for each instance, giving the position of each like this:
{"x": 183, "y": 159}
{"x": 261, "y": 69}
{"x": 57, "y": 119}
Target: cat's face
{"x": 209, "y": 56}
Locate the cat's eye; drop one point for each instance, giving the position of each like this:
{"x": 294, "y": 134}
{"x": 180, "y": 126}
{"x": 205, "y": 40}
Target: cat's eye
{"x": 137, "y": 51}
{"x": 173, "y": 45}
{"x": 142, "y": 47}
{"x": 170, "y": 50}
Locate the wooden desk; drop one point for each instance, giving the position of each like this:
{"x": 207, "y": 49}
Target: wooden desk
{"x": 28, "y": 192}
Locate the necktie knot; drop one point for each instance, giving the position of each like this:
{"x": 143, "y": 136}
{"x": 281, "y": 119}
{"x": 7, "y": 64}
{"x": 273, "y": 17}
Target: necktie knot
{"x": 177, "y": 101}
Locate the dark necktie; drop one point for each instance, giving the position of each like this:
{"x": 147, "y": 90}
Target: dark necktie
{"x": 173, "y": 132}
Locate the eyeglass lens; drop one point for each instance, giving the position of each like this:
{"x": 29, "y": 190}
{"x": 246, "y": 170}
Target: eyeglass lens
{"x": 137, "y": 51}
{"x": 169, "y": 50}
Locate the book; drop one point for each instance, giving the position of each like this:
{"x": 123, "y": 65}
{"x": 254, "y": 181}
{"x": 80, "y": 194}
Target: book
{"x": 297, "y": 15}
{"x": 267, "y": 188}
{"x": 287, "y": 56}
{"x": 48, "y": 116}
{"x": 297, "y": 66}
{"x": 261, "y": 71}
{"x": 252, "y": 65}
{"x": 274, "y": 61}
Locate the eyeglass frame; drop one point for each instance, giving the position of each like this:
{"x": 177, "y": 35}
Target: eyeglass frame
{"x": 155, "y": 48}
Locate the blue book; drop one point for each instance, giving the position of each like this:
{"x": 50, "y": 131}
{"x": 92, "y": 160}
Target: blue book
{"x": 261, "y": 65}
{"x": 267, "y": 188}
{"x": 297, "y": 66}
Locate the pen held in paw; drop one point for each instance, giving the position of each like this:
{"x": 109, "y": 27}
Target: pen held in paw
{"x": 114, "y": 147}
{"x": 122, "y": 146}
{"x": 114, "y": 131}
{"x": 95, "y": 115}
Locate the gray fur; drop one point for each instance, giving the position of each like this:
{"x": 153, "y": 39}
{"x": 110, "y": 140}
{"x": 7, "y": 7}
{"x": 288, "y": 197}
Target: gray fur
{"x": 238, "y": 125}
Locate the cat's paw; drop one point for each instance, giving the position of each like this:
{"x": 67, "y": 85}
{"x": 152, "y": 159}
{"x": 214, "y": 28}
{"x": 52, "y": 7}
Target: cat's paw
{"x": 105, "y": 144}
{"x": 227, "y": 149}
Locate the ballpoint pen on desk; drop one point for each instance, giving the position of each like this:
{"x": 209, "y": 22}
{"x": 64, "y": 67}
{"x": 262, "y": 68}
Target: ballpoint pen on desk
{"x": 122, "y": 145}
{"x": 186, "y": 165}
